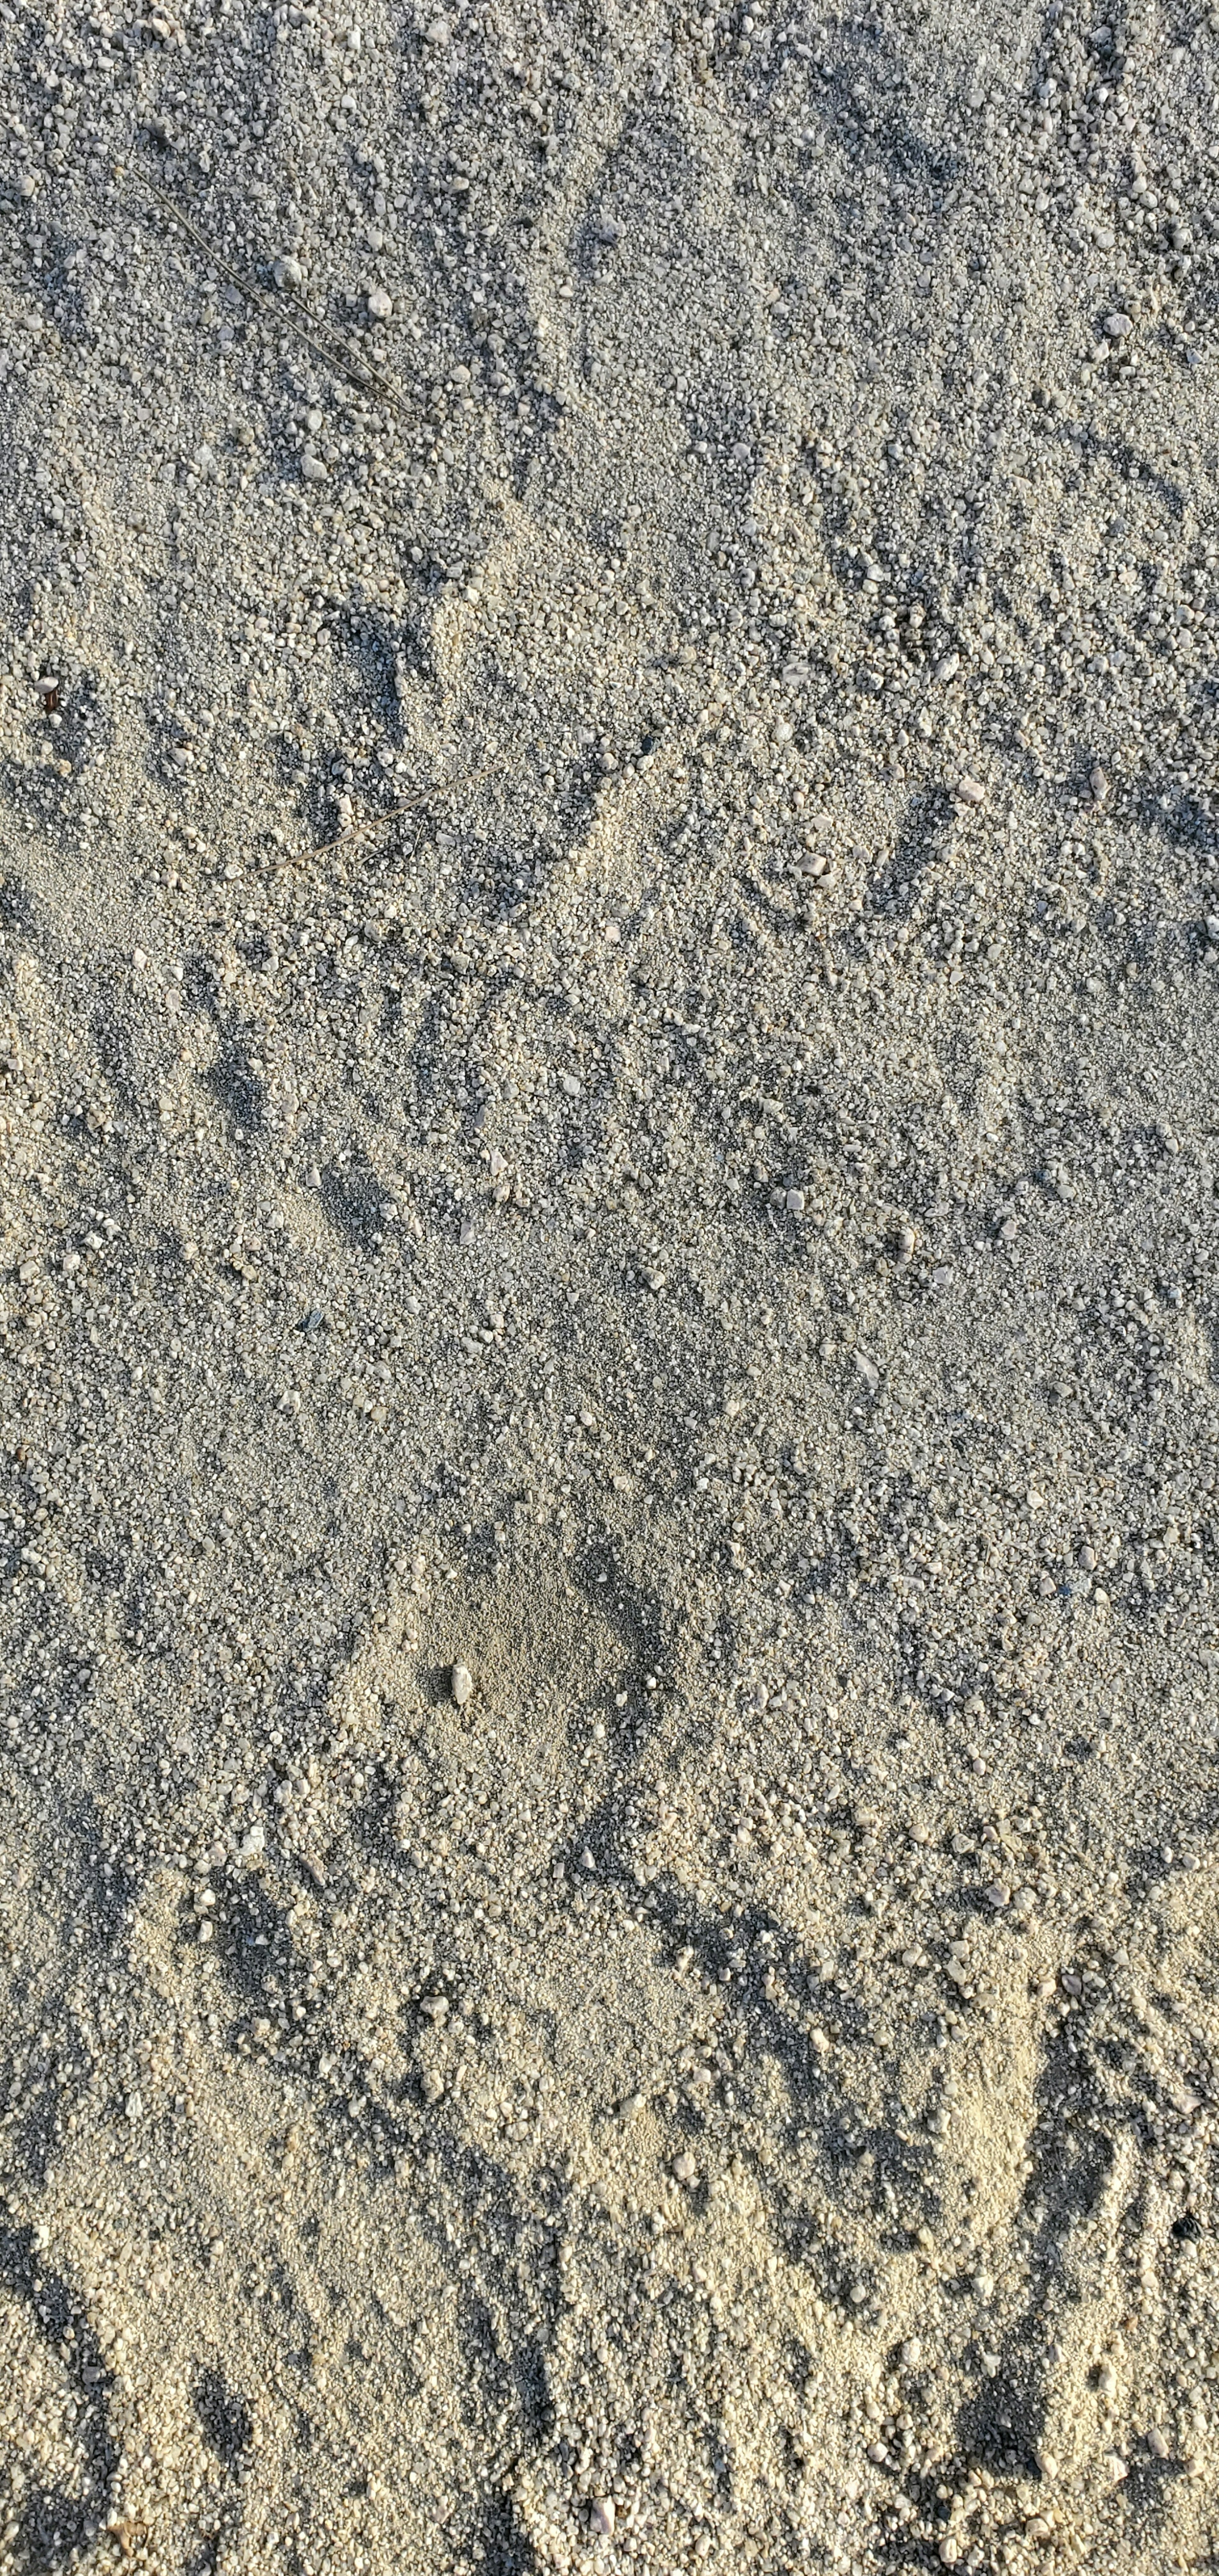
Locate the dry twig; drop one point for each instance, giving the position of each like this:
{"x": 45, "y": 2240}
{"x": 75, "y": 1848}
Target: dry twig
{"x": 331, "y": 352}
{"x": 394, "y": 813}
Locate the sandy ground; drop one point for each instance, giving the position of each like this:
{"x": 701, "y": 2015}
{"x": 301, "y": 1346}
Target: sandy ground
{"x": 608, "y": 968}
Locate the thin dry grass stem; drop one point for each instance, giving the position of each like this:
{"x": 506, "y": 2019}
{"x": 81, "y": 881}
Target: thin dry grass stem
{"x": 273, "y": 310}
{"x": 394, "y": 813}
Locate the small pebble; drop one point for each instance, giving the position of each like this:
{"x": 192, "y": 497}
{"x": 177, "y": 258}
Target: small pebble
{"x": 684, "y": 2169}
{"x": 602, "y": 2517}
{"x": 461, "y": 1683}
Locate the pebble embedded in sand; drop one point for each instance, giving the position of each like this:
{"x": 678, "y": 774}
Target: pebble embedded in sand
{"x": 461, "y": 1683}
{"x": 602, "y": 2517}
{"x": 684, "y": 2169}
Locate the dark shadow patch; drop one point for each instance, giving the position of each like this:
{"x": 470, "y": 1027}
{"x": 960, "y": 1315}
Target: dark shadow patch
{"x": 17, "y": 911}
{"x": 38, "y": 2089}
{"x": 921, "y": 843}
{"x": 1148, "y": 2490}
{"x": 224, "y": 2416}
{"x": 53, "y": 2523}
{"x": 240, "y": 1091}
{"x": 37, "y": 792}
{"x": 288, "y": 759}
{"x": 253, "y": 1942}
{"x": 634, "y": 1618}
{"x": 1185, "y": 821}
{"x": 353, "y": 1199}
{"x": 1002, "y": 2422}
{"x": 502, "y": 2548}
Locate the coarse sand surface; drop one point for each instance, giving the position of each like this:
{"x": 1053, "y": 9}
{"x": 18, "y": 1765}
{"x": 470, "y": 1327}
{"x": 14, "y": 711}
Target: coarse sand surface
{"x": 609, "y": 945}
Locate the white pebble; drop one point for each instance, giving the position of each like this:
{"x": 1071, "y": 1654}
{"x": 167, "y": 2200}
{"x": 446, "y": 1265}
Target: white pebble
{"x": 380, "y": 304}
{"x": 602, "y": 2517}
{"x": 287, "y": 271}
{"x": 970, "y": 793}
{"x": 461, "y": 1683}
{"x": 684, "y": 2169}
